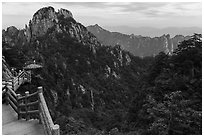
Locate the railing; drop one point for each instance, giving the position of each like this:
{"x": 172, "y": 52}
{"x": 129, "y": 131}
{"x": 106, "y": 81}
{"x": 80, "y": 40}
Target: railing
{"x": 23, "y": 76}
{"x": 10, "y": 97}
{"x": 45, "y": 117}
{"x": 21, "y": 104}
{"x": 26, "y": 107}
{"x": 15, "y": 82}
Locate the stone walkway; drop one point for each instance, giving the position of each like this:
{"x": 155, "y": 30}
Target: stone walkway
{"x": 12, "y": 126}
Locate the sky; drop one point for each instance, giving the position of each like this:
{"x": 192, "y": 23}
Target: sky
{"x": 111, "y": 14}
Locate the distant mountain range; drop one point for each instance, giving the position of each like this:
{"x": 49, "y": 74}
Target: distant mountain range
{"x": 155, "y": 32}
{"x": 137, "y": 44}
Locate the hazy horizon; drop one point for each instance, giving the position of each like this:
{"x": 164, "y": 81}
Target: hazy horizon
{"x": 155, "y": 32}
{"x": 112, "y": 15}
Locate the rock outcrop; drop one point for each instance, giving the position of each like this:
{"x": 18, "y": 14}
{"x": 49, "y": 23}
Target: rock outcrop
{"x": 47, "y": 19}
{"x": 42, "y": 20}
{"x": 65, "y": 13}
{"x": 12, "y": 36}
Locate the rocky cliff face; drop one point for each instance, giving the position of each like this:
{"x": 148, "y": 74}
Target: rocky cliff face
{"x": 138, "y": 45}
{"x": 47, "y": 19}
{"x": 12, "y": 36}
{"x": 178, "y": 39}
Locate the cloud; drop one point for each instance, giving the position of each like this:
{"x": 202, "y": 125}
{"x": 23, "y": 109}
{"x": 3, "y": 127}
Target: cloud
{"x": 114, "y": 13}
{"x": 84, "y": 4}
{"x": 159, "y": 9}
{"x": 21, "y": 8}
{"x": 152, "y": 8}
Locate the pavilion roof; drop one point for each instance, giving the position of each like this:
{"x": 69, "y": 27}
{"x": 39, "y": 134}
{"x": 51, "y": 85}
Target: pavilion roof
{"x": 33, "y": 66}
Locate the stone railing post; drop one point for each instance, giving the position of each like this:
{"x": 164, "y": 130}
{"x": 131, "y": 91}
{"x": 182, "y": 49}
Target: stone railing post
{"x": 56, "y": 130}
{"x": 18, "y": 102}
{"x": 18, "y": 74}
{"x": 26, "y": 104}
{"x": 6, "y": 96}
{"x": 13, "y": 84}
{"x": 40, "y": 90}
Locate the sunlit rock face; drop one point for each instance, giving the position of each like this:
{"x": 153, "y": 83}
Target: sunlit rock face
{"x": 42, "y": 20}
{"x": 62, "y": 21}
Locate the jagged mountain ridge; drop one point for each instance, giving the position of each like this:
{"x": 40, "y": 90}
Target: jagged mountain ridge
{"x": 137, "y": 44}
{"x": 80, "y": 76}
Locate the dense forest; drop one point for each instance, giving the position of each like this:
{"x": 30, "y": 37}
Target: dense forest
{"x": 164, "y": 98}
{"x": 91, "y": 88}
